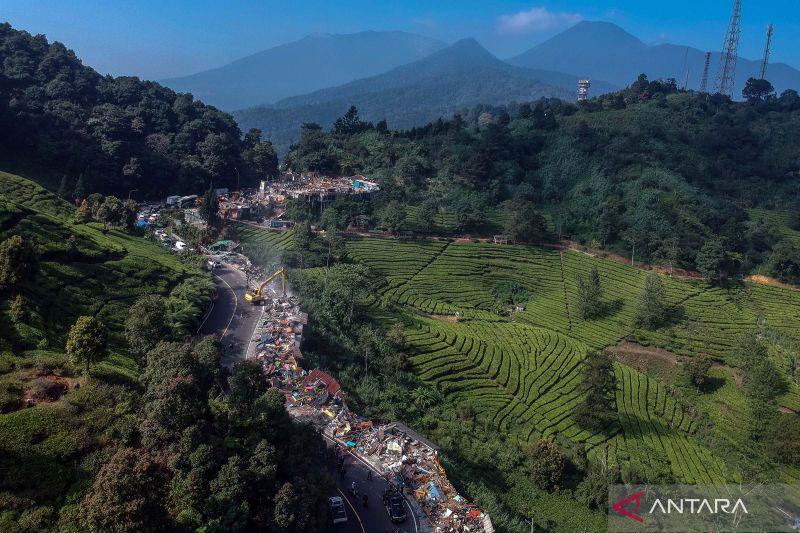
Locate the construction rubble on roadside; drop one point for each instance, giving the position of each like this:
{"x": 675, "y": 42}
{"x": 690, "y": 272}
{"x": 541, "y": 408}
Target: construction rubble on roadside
{"x": 408, "y": 461}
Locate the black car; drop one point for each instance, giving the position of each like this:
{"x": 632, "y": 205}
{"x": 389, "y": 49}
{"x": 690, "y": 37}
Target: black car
{"x": 396, "y": 508}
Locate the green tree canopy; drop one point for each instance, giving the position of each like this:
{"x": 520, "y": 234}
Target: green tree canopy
{"x": 145, "y": 325}
{"x": 87, "y": 342}
{"x": 18, "y": 260}
{"x": 652, "y": 308}
{"x": 597, "y": 411}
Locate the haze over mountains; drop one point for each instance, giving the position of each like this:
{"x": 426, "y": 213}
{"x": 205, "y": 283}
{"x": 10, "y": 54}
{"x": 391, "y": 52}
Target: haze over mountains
{"x": 460, "y": 76}
{"x": 311, "y": 63}
{"x": 605, "y": 51}
{"x": 409, "y": 80}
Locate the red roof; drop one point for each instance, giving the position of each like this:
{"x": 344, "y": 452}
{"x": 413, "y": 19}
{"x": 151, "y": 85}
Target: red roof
{"x": 334, "y": 389}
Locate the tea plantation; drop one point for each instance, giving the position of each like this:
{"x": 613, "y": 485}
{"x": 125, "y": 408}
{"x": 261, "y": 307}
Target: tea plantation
{"x": 519, "y": 368}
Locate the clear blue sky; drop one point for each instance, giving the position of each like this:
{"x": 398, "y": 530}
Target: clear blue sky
{"x": 161, "y": 38}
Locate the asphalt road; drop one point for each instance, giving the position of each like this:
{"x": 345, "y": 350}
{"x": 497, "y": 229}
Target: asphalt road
{"x": 370, "y": 519}
{"x": 234, "y": 319}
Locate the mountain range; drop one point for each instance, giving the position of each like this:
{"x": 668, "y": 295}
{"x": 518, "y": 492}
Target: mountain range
{"x": 409, "y": 79}
{"x": 449, "y": 80}
{"x": 601, "y": 50}
{"x": 313, "y": 62}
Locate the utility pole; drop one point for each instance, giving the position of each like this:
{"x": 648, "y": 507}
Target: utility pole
{"x": 765, "y": 58}
{"x": 704, "y": 79}
{"x": 726, "y": 75}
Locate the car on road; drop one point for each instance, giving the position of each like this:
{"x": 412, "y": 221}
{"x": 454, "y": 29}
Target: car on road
{"x": 337, "y": 511}
{"x": 396, "y": 508}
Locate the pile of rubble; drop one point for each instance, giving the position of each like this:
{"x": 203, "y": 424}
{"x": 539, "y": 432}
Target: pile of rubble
{"x": 276, "y": 342}
{"x": 410, "y": 462}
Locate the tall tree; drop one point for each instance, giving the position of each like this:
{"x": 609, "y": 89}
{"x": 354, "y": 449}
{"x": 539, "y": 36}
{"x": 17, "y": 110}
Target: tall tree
{"x": 711, "y": 259}
{"x": 757, "y": 90}
{"x": 651, "y": 308}
{"x": 393, "y": 216}
{"x": 599, "y": 386}
{"x": 145, "y": 325}
{"x": 590, "y": 293}
{"x": 209, "y": 211}
{"x": 18, "y": 260}
{"x": 87, "y": 342}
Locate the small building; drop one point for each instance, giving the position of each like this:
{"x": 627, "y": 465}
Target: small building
{"x": 406, "y": 234}
{"x": 501, "y": 239}
{"x": 173, "y": 200}
{"x": 187, "y": 201}
{"x": 277, "y": 223}
{"x": 192, "y": 216}
{"x": 222, "y": 191}
{"x": 361, "y": 221}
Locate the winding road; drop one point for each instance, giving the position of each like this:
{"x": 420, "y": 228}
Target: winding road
{"x": 234, "y": 319}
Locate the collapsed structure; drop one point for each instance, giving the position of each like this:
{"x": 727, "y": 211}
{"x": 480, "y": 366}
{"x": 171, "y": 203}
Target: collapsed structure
{"x": 407, "y": 460}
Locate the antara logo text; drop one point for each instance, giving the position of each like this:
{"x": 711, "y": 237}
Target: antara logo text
{"x": 681, "y": 506}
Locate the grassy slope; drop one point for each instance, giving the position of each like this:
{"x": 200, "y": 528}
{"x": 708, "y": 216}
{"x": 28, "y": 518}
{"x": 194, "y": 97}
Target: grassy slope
{"x": 49, "y": 448}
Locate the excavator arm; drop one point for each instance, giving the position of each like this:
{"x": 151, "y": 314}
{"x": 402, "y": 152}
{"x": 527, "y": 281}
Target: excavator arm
{"x": 257, "y": 295}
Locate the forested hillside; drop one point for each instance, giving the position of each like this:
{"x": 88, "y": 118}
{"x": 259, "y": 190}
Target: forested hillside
{"x": 117, "y": 134}
{"x": 667, "y": 172}
{"x": 450, "y": 80}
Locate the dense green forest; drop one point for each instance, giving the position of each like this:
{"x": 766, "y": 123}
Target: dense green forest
{"x": 110, "y": 134}
{"x": 131, "y": 428}
{"x": 650, "y": 171}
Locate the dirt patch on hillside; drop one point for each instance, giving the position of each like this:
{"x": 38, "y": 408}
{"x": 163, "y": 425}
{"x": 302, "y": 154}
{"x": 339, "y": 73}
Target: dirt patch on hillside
{"x": 766, "y": 280}
{"x": 443, "y": 318}
{"x": 654, "y": 362}
{"x": 46, "y": 388}
{"x": 785, "y": 410}
{"x": 631, "y": 351}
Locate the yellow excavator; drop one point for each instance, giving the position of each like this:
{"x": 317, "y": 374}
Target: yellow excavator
{"x": 256, "y": 296}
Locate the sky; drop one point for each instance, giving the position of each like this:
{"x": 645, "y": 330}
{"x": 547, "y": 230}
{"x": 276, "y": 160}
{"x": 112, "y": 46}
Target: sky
{"x": 156, "y": 39}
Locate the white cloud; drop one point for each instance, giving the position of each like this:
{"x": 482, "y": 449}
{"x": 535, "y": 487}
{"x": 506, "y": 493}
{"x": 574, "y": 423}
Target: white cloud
{"x": 537, "y": 19}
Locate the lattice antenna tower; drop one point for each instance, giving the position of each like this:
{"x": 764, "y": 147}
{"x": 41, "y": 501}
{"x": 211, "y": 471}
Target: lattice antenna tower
{"x": 704, "y": 80}
{"x": 765, "y": 59}
{"x": 726, "y": 74}
{"x": 583, "y": 89}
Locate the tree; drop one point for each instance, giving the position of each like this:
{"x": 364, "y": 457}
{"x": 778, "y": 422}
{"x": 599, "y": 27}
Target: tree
{"x": 84, "y": 213}
{"x": 426, "y": 213}
{"x": 599, "y": 386}
{"x": 757, "y": 90}
{"x": 110, "y": 212}
{"x": 697, "y": 370}
{"x": 651, "y": 308}
{"x": 521, "y": 222}
{"x": 145, "y": 324}
{"x": 19, "y": 260}
{"x": 81, "y": 190}
{"x": 64, "y": 189}
{"x": 349, "y": 123}
{"x": 246, "y": 384}
{"x": 209, "y": 211}
{"x": 87, "y": 342}
{"x": 782, "y": 439}
{"x": 784, "y": 262}
{"x": 589, "y": 294}
{"x": 710, "y": 260}
{"x": 393, "y": 216}
{"x": 127, "y": 495}
{"x": 546, "y": 463}
{"x": 129, "y": 214}
{"x": 18, "y": 312}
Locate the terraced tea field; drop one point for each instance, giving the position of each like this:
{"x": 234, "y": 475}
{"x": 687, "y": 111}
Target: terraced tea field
{"x": 520, "y": 372}
{"x": 251, "y": 235}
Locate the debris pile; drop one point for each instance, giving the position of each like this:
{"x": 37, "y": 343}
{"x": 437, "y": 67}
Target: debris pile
{"x": 410, "y": 463}
{"x": 277, "y": 338}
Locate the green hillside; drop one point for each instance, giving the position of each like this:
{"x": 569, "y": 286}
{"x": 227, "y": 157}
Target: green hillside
{"x": 520, "y": 373}
{"x": 50, "y": 452}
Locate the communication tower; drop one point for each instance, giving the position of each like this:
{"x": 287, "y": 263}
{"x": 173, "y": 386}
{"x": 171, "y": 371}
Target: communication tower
{"x": 704, "y": 80}
{"x": 765, "y": 59}
{"x": 726, "y": 74}
{"x": 583, "y": 89}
